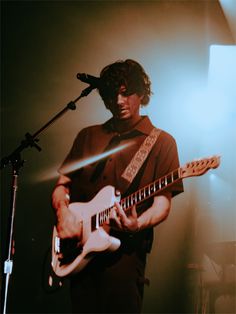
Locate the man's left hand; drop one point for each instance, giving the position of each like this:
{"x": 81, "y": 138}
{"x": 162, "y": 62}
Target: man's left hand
{"x": 119, "y": 220}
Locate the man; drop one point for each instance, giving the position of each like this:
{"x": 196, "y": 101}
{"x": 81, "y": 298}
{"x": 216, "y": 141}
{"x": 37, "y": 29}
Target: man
{"x": 113, "y": 281}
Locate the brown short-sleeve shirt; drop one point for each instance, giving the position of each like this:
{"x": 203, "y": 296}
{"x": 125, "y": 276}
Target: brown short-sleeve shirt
{"x": 94, "y": 140}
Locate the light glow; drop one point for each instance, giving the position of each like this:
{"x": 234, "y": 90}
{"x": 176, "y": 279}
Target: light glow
{"x": 82, "y": 163}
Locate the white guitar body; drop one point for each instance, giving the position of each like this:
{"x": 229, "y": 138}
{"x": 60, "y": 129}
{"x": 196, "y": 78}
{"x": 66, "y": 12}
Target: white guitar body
{"x": 92, "y": 241}
{"x": 95, "y": 213}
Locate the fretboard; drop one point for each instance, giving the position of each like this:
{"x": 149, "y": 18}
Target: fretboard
{"x": 138, "y": 197}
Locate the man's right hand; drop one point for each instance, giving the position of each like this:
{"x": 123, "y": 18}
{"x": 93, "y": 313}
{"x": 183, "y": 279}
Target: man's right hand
{"x": 68, "y": 225}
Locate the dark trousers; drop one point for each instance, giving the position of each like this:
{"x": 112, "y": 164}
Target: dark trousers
{"x": 110, "y": 283}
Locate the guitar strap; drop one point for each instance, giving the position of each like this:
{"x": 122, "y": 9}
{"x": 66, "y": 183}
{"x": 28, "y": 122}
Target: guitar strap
{"x": 140, "y": 156}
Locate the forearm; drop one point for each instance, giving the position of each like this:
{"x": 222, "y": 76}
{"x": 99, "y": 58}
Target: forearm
{"x": 61, "y": 193}
{"x": 155, "y": 214}
{"x": 68, "y": 224}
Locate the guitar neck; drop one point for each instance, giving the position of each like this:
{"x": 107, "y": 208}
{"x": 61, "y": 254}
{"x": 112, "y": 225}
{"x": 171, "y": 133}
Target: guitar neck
{"x": 194, "y": 168}
{"x": 138, "y": 196}
{"x": 150, "y": 189}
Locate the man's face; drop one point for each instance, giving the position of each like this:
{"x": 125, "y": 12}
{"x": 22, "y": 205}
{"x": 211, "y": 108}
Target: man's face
{"x": 125, "y": 106}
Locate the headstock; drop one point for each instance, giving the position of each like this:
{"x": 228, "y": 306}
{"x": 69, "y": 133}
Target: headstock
{"x": 199, "y": 167}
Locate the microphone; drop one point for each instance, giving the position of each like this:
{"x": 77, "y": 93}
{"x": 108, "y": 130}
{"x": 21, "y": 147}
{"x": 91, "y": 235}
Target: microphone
{"x": 93, "y": 81}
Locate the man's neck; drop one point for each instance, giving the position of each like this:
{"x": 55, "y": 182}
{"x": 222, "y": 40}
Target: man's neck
{"x": 122, "y": 126}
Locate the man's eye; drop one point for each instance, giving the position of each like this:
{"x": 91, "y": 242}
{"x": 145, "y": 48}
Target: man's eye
{"x": 125, "y": 93}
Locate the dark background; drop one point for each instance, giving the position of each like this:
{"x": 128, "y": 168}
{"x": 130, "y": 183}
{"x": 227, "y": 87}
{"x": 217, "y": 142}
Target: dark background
{"x": 43, "y": 46}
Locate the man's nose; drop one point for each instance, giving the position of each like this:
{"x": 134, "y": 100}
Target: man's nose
{"x": 120, "y": 99}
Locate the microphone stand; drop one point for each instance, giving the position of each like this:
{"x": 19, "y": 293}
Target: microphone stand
{"x": 17, "y": 163}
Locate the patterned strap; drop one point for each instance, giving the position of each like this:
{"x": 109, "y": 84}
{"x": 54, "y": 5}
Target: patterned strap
{"x": 140, "y": 156}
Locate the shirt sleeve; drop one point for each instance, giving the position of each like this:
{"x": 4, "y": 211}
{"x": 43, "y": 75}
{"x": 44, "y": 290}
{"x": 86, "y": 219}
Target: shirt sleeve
{"x": 75, "y": 154}
{"x": 168, "y": 161}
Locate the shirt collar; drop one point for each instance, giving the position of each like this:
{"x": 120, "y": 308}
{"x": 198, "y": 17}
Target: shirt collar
{"x": 143, "y": 126}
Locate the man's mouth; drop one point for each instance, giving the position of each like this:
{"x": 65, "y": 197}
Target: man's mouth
{"x": 122, "y": 110}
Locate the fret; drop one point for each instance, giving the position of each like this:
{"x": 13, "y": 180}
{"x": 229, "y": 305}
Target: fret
{"x": 176, "y": 174}
{"x": 162, "y": 183}
{"x": 122, "y": 203}
{"x": 131, "y": 200}
{"x": 150, "y": 189}
{"x": 154, "y": 187}
{"x": 134, "y": 199}
{"x": 100, "y": 219}
{"x": 146, "y": 191}
{"x": 142, "y": 193}
{"x": 168, "y": 179}
{"x": 128, "y": 202}
{"x": 107, "y": 214}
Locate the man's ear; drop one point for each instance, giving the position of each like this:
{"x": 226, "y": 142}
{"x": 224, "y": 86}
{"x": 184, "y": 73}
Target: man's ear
{"x": 141, "y": 98}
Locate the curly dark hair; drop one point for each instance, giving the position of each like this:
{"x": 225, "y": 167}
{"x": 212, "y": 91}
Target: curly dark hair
{"x": 129, "y": 73}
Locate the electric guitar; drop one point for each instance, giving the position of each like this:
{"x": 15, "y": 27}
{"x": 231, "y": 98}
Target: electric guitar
{"x": 70, "y": 256}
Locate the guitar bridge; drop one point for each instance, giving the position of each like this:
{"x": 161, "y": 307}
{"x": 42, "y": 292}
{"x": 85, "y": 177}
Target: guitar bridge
{"x": 68, "y": 249}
